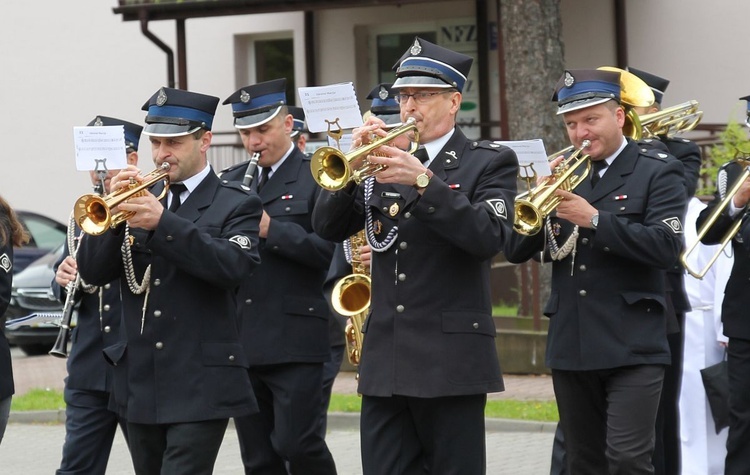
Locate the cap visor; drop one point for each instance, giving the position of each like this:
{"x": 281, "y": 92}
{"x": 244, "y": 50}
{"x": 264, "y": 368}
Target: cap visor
{"x": 168, "y": 130}
{"x": 575, "y": 105}
{"x": 419, "y": 81}
{"x": 255, "y": 120}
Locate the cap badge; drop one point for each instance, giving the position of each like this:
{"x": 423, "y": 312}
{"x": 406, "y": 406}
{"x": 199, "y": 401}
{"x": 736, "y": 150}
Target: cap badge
{"x": 244, "y": 96}
{"x": 98, "y": 122}
{"x": 383, "y": 94}
{"x": 416, "y": 48}
{"x": 569, "y": 79}
{"x": 161, "y": 98}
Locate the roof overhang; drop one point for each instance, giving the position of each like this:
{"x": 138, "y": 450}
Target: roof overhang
{"x": 135, "y": 10}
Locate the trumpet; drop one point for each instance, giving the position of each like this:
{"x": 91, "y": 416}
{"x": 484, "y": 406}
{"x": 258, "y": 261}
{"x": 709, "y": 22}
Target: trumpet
{"x": 93, "y": 213}
{"x": 333, "y": 170}
{"x": 351, "y": 297}
{"x": 711, "y": 221}
{"x": 538, "y": 202}
{"x": 667, "y": 122}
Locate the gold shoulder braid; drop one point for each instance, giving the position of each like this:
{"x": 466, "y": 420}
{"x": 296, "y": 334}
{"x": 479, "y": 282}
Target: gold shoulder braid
{"x": 135, "y": 287}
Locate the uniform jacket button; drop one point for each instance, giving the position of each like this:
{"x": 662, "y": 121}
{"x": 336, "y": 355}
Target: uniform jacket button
{"x": 407, "y": 215}
{"x": 400, "y": 308}
{"x": 106, "y": 308}
{"x": 582, "y": 293}
{"x": 231, "y": 357}
{"x": 107, "y": 329}
{"x": 248, "y": 301}
{"x": 431, "y": 209}
{"x": 402, "y": 245}
{"x": 157, "y": 313}
{"x": 475, "y": 325}
{"x": 107, "y": 286}
{"x": 582, "y": 268}
{"x": 585, "y": 241}
{"x": 169, "y": 238}
{"x": 402, "y": 277}
{"x": 157, "y": 282}
{"x": 159, "y": 345}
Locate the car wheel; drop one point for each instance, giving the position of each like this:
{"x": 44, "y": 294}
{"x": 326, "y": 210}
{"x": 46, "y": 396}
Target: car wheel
{"x": 36, "y": 349}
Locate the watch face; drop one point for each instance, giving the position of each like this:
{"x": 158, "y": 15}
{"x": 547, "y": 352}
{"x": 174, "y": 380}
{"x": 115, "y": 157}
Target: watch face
{"x": 423, "y": 180}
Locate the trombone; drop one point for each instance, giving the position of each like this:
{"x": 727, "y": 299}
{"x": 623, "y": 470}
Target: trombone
{"x": 711, "y": 221}
{"x": 93, "y": 213}
{"x": 667, "y": 122}
{"x": 532, "y": 206}
{"x": 333, "y": 170}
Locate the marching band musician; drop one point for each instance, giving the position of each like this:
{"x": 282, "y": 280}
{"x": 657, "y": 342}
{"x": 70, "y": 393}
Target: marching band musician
{"x": 434, "y": 223}
{"x": 283, "y": 311}
{"x": 91, "y": 402}
{"x": 610, "y": 242}
{"x": 734, "y": 307}
{"x": 12, "y": 233}
{"x": 180, "y": 261}
{"x": 667, "y": 449}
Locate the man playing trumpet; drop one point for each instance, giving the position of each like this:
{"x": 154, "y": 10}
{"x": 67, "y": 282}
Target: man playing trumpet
{"x": 610, "y": 241}
{"x": 434, "y": 220}
{"x": 180, "y": 262}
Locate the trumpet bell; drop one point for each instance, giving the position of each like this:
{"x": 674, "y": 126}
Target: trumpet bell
{"x": 528, "y": 218}
{"x": 351, "y": 294}
{"x": 333, "y": 170}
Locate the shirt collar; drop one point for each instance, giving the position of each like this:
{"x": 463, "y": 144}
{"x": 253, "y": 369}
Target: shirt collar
{"x": 433, "y": 148}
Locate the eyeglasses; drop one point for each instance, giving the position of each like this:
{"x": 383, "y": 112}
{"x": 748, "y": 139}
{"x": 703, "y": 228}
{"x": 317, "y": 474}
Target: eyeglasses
{"x": 419, "y": 97}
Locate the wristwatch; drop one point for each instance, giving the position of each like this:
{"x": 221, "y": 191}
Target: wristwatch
{"x": 423, "y": 179}
{"x": 595, "y": 220}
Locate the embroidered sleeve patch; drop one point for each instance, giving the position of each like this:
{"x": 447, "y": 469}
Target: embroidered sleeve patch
{"x": 674, "y": 224}
{"x": 242, "y": 241}
{"x": 497, "y": 205}
{"x": 5, "y": 263}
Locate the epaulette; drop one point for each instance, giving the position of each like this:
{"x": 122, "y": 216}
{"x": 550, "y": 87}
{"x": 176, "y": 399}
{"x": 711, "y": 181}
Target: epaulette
{"x": 234, "y": 185}
{"x": 655, "y": 153}
{"x": 486, "y": 144}
{"x": 233, "y": 167}
{"x": 676, "y": 139}
{"x": 652, "y": 144}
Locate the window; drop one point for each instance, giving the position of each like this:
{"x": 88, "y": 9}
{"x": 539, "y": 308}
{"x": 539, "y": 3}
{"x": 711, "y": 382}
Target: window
{"x": 274, "y": 59}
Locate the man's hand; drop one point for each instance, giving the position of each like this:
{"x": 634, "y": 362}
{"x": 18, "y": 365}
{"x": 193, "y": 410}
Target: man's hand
{"x": 401, "y": 167}
{"x": 66, "y": 272}
{"x": 743, "y": 195}
{"x": 147, "y": 209}
{"x": 265, "y": 223}
{"x": 365, "y": 255}
{"x": 575, "y": 209}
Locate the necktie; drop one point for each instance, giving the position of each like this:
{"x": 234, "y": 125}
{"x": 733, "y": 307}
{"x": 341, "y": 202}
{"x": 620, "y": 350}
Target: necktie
{"x": 597, "y": 168}
{"x": 265, "y": 174}
{"x": 176, "y": 189}
{"x": 421, "y": 154}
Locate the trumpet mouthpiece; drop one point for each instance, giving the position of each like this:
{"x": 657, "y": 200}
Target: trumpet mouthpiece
{"x": 585, "y": 144}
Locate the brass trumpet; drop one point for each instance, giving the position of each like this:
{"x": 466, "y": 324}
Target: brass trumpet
{"x": 93, "y": 213}
{"x": 711, "y": 221}
{"x": 351, "y": 298}
{"x": 538, "y": 202}
{"x": 667, "y": 122}
{"x": 333, "y": 170}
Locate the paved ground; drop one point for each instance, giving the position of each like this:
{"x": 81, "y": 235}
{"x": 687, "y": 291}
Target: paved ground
{"x": 30, "y": 448}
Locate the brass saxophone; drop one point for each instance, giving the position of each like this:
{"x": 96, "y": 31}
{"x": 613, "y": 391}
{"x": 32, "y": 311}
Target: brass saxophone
{"x": 351, "y": 297}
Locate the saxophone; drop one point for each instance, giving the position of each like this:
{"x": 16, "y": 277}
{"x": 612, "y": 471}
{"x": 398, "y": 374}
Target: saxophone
{"x": 351, "y": 297}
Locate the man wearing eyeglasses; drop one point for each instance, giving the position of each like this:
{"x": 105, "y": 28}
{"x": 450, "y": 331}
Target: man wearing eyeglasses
{"x": 433, "y": 223}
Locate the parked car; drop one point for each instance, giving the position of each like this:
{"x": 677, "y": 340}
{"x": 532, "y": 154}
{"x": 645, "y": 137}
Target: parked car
{"x": 32, "y": 293}
{"x": 46, "y": 234}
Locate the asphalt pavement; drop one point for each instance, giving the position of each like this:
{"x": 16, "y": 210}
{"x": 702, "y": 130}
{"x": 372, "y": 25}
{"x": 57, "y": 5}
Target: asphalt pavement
{"x": 33, "y": 441}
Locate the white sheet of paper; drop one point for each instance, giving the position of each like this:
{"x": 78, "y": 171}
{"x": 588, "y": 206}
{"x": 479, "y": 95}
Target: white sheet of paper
{"x": 531, "y": 154}
{"x": 105, "y": 144}
{"x": 329, "y": 103}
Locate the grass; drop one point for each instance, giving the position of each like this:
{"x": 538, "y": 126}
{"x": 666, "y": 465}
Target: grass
{"x": 505, "y": 310}
{"x": 546, "y": 411}
{"x": 38, "y": 400}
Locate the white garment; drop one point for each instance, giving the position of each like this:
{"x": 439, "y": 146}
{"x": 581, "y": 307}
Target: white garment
{"x": 703, "y": 451}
